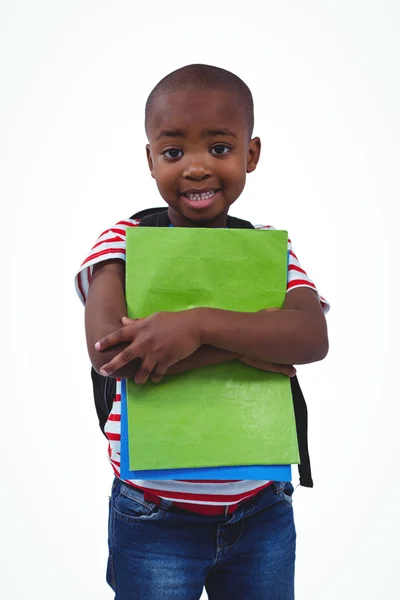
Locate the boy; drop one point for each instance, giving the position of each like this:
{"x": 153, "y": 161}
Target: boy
{"x": 168, "y": 539}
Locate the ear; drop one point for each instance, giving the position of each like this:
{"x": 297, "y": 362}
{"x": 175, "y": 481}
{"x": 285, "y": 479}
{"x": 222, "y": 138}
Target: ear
{"x": 150, "y": 160}
{"x": 253, "y": 154}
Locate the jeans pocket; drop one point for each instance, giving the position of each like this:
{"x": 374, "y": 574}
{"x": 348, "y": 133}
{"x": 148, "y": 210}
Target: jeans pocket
{"x": 133, "y": 519}
{"x": 129, "y": 505}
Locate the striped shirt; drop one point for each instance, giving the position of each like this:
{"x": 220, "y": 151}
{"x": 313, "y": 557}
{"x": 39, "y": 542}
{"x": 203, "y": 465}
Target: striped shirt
{"x": 111, "y": 245}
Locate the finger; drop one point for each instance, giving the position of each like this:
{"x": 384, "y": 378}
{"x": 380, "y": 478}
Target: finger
{"x": 259, "y": 364}
{"x": 287, "y": 370}
{"x": 146, "y": 368}
{"x": 283, "y": 369}
{"x": 127, "y": 321}
{"x": 159, "y": 372}
{"x": 119, "y": 361}
{"x": 119, "y": 336}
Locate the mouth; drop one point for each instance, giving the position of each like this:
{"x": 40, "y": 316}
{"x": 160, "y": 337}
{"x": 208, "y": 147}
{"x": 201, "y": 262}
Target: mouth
{"x": 201, "y": 198}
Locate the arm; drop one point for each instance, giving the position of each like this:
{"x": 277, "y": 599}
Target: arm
{"x": 208, "y": 355}
{"x": 295, "y": 335}
{"x": 105, "y": 307}
{"x": 203, "y": 357}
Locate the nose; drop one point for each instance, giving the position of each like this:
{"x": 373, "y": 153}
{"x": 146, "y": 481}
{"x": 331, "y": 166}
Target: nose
{"x": 196, "y": 170}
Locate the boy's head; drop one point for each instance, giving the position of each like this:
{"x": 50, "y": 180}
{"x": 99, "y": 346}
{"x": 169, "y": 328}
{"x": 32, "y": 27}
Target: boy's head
{"x": 199, "y": 122}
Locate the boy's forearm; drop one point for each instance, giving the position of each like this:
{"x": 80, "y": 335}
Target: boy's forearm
{"x": 203, "y": 357}
{"x": 286, "y": 337}
{"x": 106, "y": 306}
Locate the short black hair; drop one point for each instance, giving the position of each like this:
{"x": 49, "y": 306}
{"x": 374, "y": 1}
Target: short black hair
{"x": 204, "y": 77}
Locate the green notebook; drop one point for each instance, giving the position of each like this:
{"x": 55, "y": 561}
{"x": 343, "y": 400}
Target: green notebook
{"x": 223, "y": 415}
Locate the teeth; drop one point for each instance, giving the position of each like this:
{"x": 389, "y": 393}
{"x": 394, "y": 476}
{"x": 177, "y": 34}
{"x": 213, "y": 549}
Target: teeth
{"x": 198, "y": 197}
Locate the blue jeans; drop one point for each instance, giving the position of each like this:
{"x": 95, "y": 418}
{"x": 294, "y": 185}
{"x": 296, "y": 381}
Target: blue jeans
{"x": 166, "y": 553}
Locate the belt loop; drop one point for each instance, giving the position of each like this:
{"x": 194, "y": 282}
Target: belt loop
{"x": 149, "y": 497}
{"x": 278, "y": 486}
{"x": 166, "y": 504}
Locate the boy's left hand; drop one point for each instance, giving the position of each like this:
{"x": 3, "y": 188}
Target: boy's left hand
{"x": 160, "y": 341}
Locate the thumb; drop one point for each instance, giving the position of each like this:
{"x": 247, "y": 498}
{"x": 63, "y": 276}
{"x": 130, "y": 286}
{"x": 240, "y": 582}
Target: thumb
{"x": 128, "y": 321}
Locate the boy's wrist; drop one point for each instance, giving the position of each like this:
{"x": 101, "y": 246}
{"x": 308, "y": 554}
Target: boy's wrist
{"x": 206, "y": 322}
{"x": 199, "y": 316}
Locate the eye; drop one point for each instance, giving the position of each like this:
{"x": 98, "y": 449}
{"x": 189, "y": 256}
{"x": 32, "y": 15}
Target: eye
{"x": 220, "y": 149}
{"x": 172, "y": 153}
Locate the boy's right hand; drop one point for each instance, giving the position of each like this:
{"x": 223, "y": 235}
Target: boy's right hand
{"x": 160, "y": 341}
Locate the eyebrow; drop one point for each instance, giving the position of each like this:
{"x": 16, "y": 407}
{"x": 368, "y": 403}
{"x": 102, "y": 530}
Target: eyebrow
{"x": 171, "y": 133}
{"x": 174, "y": 133}
{"x": 215, "y": 132}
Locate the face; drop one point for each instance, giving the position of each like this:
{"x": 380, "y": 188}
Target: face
{"x": 199, "y": 153}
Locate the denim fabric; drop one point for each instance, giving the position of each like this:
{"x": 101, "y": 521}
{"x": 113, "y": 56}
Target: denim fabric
{"x": 166, "y": 553}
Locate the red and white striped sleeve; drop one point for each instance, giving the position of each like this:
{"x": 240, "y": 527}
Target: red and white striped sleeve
{"x": 110, "y": 245}
{"x": 297, "y": 277}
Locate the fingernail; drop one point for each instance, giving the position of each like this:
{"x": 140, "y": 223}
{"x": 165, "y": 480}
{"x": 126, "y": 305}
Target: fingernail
{"x": 97, "y": 345}
{"x": 103, "y": 372}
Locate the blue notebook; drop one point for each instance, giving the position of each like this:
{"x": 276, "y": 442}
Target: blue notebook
{"x": 261, "y": 472}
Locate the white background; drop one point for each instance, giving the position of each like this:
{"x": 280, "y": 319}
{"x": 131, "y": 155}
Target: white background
{"x": 74, "y": 79}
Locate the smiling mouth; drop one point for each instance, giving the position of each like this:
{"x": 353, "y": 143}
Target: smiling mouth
{"x": 200, "y": 196}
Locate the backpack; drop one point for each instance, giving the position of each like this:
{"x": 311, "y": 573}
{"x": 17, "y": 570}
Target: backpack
{"x": 104, "y": 388}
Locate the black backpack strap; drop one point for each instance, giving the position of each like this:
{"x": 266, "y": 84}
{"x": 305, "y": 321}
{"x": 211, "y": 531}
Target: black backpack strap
{"x": 158, "y": 217}
{"x": 301, "y": 415}
{"x": 234, "y": 223}
{"x": 155, "y": 219}
{"x": 104, "y": 390}
{"x": 147, "y": 212}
